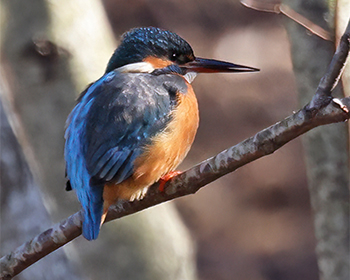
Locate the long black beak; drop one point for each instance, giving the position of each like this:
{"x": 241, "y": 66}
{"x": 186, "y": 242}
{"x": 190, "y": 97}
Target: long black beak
{"x": 204, "y": 65}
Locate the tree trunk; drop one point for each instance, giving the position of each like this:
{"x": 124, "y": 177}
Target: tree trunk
{"x": 23, "y": 213}
{"x": 326, "y": 148}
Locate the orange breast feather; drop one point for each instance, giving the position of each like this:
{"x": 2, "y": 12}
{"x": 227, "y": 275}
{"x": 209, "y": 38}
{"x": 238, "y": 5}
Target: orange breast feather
{"x": 163, "y": 155}
{"x": 169, "y": 147}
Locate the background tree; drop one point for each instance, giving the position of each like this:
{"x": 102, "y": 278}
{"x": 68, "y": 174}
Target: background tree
{"x": 326, "y": 148}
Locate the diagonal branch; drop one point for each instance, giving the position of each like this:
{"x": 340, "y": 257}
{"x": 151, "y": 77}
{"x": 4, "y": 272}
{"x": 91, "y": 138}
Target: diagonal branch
{"x": 319, "y": 112}
{"x": 263, "y": 143}
{"x": 333, "y": 74}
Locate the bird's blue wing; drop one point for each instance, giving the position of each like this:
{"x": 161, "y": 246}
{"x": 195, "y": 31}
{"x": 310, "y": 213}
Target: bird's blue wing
{"x": 108, "y": 129}
{"x": 89, "y": 196}
{"x": 121, "y": 121}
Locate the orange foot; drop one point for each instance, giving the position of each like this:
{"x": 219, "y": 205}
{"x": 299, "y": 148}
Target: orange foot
{"x": 166, "y": 178}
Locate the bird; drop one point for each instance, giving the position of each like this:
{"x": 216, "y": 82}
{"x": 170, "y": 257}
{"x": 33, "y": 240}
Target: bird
{"x": 134, "y": 125}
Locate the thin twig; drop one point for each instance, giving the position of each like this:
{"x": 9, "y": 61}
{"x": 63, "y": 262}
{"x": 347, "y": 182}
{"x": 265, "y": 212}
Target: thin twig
{"x": 276, "y": 6}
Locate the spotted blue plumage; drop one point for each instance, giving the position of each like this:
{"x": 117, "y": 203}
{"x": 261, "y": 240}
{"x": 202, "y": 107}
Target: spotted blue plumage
{"x": 115, "y": 119}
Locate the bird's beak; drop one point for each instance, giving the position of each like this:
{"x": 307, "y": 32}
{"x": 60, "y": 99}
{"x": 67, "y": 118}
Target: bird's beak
{"x": 204, "y": 65}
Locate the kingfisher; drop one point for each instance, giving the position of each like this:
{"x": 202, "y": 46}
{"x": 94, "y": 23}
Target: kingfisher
{"x": 134, "y": 125}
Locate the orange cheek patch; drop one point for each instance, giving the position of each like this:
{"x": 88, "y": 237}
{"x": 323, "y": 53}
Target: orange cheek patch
{"x": 157, "y": 62}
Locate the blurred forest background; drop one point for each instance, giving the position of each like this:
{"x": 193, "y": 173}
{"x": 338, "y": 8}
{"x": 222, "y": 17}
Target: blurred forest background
{"x": 256, "y": 223}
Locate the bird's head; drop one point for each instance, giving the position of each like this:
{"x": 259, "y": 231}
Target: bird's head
{"x": 154, "y": 50}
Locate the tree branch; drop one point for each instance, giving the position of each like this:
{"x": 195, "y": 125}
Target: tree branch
{"x": 333, "y": 74}
{"x": 320, "y": 111}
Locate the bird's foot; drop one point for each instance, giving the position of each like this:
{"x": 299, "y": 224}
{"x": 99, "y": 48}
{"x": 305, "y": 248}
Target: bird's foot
{"x": 138, "y": 195}
{"x": 166, "y": 178}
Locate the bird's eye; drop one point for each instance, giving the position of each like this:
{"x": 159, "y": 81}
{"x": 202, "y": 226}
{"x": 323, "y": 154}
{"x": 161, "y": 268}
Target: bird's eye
{"x": 179, "y": 58}
{"x": 173, "y": 56}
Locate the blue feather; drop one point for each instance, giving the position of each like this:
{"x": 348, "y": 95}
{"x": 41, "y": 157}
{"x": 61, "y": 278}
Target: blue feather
{"x": 90, "y": 196}
{"x": 127, "y": 112}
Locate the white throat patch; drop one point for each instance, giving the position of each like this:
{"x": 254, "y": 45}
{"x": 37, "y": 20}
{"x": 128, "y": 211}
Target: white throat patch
{"x": 137, "y": 67}
{"x": 190, "y": 76}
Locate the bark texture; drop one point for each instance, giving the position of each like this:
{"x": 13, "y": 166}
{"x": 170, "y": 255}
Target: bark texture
{"x": 326, "y": 148}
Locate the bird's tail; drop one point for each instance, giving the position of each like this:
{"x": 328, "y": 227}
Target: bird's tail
{"x": 92, "y": 213}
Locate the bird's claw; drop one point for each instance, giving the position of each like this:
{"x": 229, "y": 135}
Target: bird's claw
{"x": 166, "y": 178}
